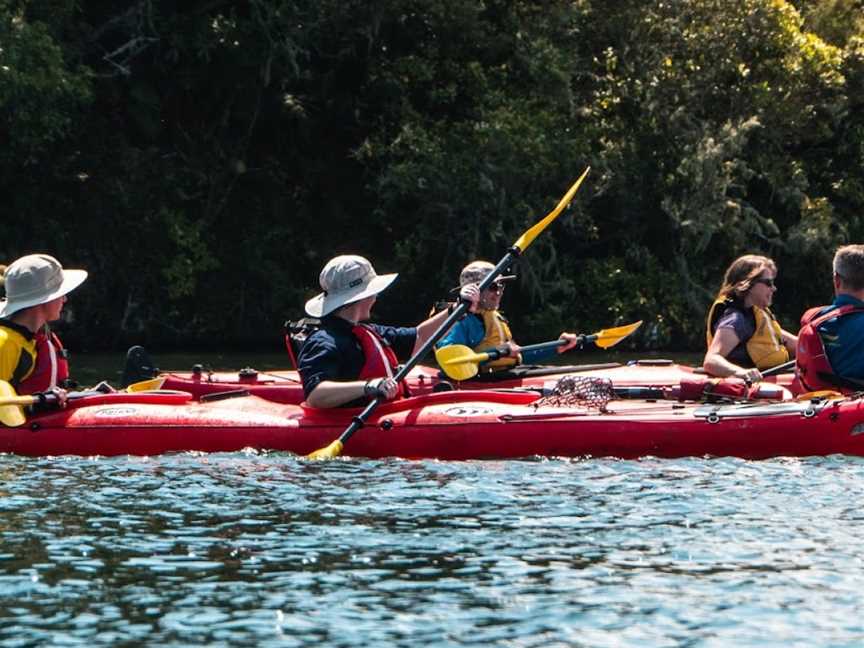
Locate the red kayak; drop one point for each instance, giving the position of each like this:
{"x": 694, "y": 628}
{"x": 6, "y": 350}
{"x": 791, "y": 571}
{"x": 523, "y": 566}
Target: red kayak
{"x": 449, "y": 425}
{"x": 285, "y": 386}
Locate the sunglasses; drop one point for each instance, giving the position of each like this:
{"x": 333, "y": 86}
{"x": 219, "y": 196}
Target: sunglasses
{"x": 763, "y": 280}
{"x": 496, "y": 287}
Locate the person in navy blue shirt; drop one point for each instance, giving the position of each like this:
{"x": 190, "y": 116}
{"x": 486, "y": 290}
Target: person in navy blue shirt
{"x": 843, "y": 336}
{"x": 348, "y": 361}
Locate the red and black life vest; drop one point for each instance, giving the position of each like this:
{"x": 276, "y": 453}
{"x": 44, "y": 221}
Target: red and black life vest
{"x": 52, "y": 366}
{"x": 813, "y": 370}
{"x": 380, "y": 361}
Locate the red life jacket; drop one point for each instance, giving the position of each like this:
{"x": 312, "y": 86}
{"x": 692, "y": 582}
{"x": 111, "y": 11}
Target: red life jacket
{"x": 296, "y": 334}
{"x": 813, "y": 371}
{"x": 380, "y": 361}
{"x": 52, "y": 367}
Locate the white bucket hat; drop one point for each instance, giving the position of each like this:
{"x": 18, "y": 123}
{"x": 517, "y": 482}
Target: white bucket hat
{"x": 345, "y": 280}
{"x": 37, "y": 279}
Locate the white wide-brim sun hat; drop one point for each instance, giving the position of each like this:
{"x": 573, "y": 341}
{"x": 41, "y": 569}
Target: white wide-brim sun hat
{"x": 345, "y": 280}
{"x": 37, "y": 279}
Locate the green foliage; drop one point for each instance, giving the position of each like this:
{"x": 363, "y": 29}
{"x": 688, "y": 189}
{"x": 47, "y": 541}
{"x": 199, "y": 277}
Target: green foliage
{"x": 725, "y": 117}
{"x": 835, "y": 21}
{"x": 40, "y": 94}
{"x": 204, "y": 159}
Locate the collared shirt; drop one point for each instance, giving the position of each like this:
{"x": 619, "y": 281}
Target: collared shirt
{"x": 843, "y": 338}
{"x": 334, "y": 353}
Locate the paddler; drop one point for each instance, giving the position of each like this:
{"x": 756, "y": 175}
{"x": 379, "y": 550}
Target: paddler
{"x": 744, "y": 338}
{"x": 486, "y": 328}
{"x": 349, "y": 361}
{"x": 32, "y": 359}
{"x": 831, "y": 339}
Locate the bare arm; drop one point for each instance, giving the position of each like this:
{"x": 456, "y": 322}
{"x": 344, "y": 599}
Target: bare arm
{"x": 332, "y": 393}
{"x": 715, "y": 362}
{"x": 790, "y": 341}
{"x": 426, "y": 328}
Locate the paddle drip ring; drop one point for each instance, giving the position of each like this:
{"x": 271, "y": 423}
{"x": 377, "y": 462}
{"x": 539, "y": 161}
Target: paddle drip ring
{"x": 580, "y": 391}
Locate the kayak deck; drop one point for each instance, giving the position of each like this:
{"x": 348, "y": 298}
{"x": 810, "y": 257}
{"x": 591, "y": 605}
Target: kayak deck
{"x": 286, "y": 387}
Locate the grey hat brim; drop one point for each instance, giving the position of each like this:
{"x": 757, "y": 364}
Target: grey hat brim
{"x": 71, "y": 280}
{"x": 324, "y": 304}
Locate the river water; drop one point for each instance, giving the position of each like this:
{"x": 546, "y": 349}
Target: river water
{"x": 273, "y": 550}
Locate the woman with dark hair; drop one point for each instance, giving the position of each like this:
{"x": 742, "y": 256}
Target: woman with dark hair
{"x": 743, "y": 335}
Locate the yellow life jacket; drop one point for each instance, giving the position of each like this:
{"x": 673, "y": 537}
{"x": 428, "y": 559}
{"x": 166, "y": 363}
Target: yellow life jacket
{"x": 17, "y": 353}
{"x": 497, "y": 333}
{"x": 765, "y": 347}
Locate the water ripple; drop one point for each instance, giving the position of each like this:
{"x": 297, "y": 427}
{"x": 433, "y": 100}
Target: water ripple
{"x": 265, "y": 549}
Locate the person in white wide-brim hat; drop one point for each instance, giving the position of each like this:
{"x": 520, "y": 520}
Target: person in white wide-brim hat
{"x": 31, "y": 356}
{"x": 348, "y": 361}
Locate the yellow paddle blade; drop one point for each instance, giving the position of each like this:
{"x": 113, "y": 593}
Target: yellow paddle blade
{"x": 7, "y": 391}
{"x": 827, "y": 394}
{"x": 11, "y": 412}
{"x": 12, "y": 415}
{"x": 612, "y": 336}
{"x": 458, "y": 361}
{"x": 146, "y": 385}
{"x": 528, "y": 237}
{"x": 331, "y": 451}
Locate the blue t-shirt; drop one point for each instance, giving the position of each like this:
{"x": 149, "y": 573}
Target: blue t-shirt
{"x": 843, "y": 338}
{"x": 334, "y": 353}
{"x": 470, "y": 331}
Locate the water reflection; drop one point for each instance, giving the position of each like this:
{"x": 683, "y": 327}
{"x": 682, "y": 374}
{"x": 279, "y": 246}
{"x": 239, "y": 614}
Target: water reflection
{"x": 266, "y": 549}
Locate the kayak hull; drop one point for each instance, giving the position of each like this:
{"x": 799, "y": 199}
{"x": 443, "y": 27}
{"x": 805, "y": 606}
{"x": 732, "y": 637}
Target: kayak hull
{"x": 447, "y": 426}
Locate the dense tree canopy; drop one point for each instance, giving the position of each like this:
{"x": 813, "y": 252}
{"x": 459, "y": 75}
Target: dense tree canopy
{"x": 203, "y": 160}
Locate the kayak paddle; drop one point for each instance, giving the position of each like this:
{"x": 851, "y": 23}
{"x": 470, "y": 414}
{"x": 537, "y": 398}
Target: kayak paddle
{"x": 460, "y": 362}
{"x": 12, "y": 405}
{"x": 146, "y": 385}
{"x": 11, "y": 414}
{"x": 335, "y": 448}
{"x": 779, "y": 368}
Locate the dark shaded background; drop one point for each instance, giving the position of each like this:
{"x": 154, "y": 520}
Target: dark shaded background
{"x": 203, "y": 160}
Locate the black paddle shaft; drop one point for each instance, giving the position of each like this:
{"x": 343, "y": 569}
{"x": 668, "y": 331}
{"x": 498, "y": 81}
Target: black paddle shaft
{"x": 779, "y": 368}
{"x": 360, "y": 420}
{"x": 500, "y": 352}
